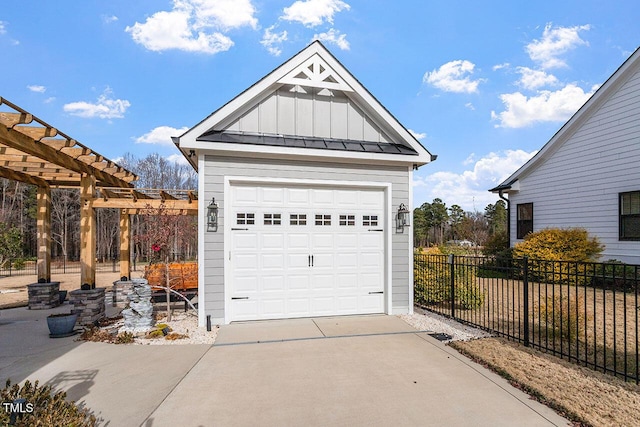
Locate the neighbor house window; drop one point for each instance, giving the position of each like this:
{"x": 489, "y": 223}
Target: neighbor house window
{"x": 525, "y": 220}
{"x": 630, "y": 216}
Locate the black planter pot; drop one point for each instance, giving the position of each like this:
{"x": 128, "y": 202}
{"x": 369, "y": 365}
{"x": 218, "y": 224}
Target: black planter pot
{"x": 63, "y": 296}
{"x": 61, "y": 325}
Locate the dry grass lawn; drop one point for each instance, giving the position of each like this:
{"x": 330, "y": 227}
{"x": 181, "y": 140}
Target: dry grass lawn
{"x": 581, "y": 394}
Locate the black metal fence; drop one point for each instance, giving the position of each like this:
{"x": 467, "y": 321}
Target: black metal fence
{"x": 583, "y": 312}
{"x": 29, "y": 268}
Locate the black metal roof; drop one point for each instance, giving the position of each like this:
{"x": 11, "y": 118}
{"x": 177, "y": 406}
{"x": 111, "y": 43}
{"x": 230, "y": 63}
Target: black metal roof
{"x": 305, "y": 142}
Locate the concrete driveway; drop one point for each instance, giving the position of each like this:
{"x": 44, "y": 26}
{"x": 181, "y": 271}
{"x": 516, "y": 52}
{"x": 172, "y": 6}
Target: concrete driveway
{"x": 361, "y": 370}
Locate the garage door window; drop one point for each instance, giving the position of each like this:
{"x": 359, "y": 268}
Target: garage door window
{"x": 347, "y": 220}
{"x": 369, "y": 220}
{"x": 272, "y": 219}
{"x": 323, "y": 219}
{"x": 298, "y": 219}
{"x": 245, "y": 219}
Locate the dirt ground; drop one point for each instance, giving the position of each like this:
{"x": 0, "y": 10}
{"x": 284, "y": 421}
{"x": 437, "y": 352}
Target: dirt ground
{"x": 13, "y": 290}
{"x": 581, "y": 394}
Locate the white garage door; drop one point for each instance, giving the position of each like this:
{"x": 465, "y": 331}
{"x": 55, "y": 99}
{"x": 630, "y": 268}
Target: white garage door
{"x": 301, "y": 252}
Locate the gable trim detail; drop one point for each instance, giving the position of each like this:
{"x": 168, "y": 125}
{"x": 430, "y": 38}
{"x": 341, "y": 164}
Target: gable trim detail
{"x": 312, "y": 66}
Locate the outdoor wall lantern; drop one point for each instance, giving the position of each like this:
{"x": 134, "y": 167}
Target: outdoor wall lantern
{"x": 402, "y": 218}
{"x": 212, "y": 215}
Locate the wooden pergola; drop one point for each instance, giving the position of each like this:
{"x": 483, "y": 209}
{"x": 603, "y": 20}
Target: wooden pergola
{"x": 33, "y": 152}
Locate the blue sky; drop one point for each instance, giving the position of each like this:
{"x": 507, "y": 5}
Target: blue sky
{"x": 482, "y": 84}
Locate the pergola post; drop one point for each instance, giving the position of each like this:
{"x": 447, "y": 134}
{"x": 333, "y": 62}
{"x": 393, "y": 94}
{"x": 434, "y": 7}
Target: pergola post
{"x": 87, "y": 231}
{"x": 125, "y": 239}
{"x": 43, "y": 222}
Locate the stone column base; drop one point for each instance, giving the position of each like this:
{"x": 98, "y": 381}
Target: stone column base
{"x": 89, "y": 305}
{"x": 44, "y": 295}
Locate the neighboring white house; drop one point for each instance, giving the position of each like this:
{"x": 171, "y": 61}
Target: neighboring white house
{"x": 308, "y": 171}
{"x": 588, "y": 174}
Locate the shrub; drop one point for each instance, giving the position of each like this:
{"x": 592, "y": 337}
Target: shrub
{"x": 432, "y": 284}
{"x": 49, "y": 408}
{"x": 545, "y": 248}
{"x": 559, "y": 244}
{"x": 19, "y": 264}
{"x": 156, "y": 333}
{"x": 563, "y": 317}
{"x": 496, "y": 244}
{"x": 125, "y": 338}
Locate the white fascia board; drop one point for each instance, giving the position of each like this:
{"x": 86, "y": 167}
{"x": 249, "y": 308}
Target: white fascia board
{"x": 234, "y": 149}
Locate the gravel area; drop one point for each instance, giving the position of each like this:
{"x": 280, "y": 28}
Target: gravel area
{"x": 187, "y": 324}
{"x": 181, "y": 323}
{"x": 427, "y": 321}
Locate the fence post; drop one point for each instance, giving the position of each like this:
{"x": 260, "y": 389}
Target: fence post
{"x": 452, "y": 270}
{"x": 526, "y": 301}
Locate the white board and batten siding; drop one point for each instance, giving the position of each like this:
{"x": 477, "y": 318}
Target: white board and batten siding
{"x": 579, "y": 184}
{"x": 294, "y": 110}
{"x": 395, "y": 177}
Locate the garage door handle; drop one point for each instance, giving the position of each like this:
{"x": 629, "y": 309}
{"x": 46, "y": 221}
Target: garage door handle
{"x": 309, "y": 260}
{"x": 372, "y": 293}
{"x": 236, "y": 229}
{"x": 239, "y": 297}
{"x": 375, "y": 229}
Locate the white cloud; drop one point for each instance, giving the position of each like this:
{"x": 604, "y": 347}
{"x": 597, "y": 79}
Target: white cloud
{"x": 37, "y": 88}
{"x": 470, "y": 159}
{"x": 470, "y": 106}
{"x": 534, "y": 79}
{"x": 178, "y": 158}
{"x": 333, "y": 37}
{"x": 49, "y": 100}
{"x": 500, "y": 66}
{"x": 105, "y": 108}
{"x": 417, "y": 135}
{"x": 160, "y": 135}
{"x": 469, "y": 189}
{"x": 312, "y": 13}
{"x": 194, "y": 25}
{"x": 547, "y": 106}
{"x": 3, "y": 29}
{"x": 555, "y": 42}
{"x": 222, "y": 14}
{"x": 453, "y": 76}
{"x": 109, "y": 19}
{"x": 271, "y": 40}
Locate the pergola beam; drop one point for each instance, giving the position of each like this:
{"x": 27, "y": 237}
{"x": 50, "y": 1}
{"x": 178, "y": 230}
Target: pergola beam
{"x": 13, "y": 119}
{"x": 27, "y": 145}
{"x": 22, "y": 177}
{"x": 142, "y": 204}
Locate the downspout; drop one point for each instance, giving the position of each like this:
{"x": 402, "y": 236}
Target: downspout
{"x": 508, "y": 216}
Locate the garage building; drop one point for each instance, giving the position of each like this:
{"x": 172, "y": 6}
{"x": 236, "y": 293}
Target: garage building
{"x": 304, "y": 181}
